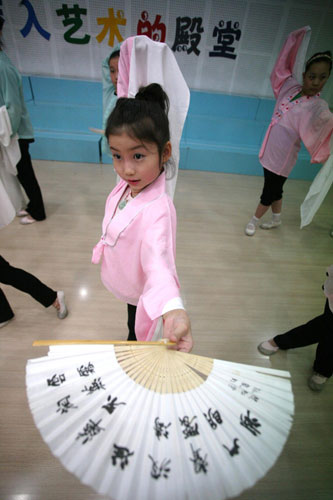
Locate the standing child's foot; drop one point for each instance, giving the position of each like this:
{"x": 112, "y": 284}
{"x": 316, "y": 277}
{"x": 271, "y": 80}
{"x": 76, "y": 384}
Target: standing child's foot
{"x": 60, "y": 305}
{"x": 267, "y": 347}
{"x": 27, "y": 220}
{"x": 275, "y": 222}
{"x": 270, "y": 224}
{"x": 317, "y": 382}
{"x": 251, "y": 226}
{"x": 4, "y": 323}
{"x": 22, "y": 213}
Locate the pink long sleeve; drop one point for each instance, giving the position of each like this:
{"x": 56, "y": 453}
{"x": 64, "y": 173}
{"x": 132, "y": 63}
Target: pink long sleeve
{"x": 285, "y": 62}
{"x": 158, "y": 260}
{"x": 161, "y": 282}
{"x": 315, "y": 131}
{"x": 124, "y": 67}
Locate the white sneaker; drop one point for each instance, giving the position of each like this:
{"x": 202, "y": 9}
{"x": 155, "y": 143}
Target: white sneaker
{"x": 267, "y": 348}
{"x": 62, "y": 311}
{"x": 250, "y": 228}
{"x": 27, "y": 220}
{"x": 22, "y": 213}
{"x": 4, "y": 323}
{"x": 317, "y": 382}
{"x": 270, "y": 225}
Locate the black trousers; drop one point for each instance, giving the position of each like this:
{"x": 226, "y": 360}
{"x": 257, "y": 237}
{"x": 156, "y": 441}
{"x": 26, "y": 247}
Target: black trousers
{"x": 131, "y": 312}
{"x": 28, "y": 180}
{"x": 26, "y": 282}
{"x": 318, "y": 330}
{"x": 272, "y": 190}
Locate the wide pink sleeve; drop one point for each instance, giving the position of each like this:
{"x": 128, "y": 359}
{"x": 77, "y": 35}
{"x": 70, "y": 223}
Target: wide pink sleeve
{"x": 285, "y": 64}
{"x": 158, "y": 264}
{"x": 316, "y": 131}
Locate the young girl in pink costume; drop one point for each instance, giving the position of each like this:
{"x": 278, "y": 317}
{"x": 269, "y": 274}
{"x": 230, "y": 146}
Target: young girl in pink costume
{"x": 299, "y": 114}
{"x": 137, "y": 247}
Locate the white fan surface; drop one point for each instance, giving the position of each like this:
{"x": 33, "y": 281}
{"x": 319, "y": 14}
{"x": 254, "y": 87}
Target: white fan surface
{"x": 93, "y": 409}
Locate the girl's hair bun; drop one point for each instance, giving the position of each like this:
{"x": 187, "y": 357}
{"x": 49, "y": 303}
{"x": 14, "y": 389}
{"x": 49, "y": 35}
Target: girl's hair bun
{"x": 144, "y": 118}
{"x": 154, "y": 93}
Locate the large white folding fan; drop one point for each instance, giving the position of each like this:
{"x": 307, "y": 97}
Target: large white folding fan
{"x": 145, "y": 421}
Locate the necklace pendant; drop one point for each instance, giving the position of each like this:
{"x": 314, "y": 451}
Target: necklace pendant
{"x": 122, "y": 204}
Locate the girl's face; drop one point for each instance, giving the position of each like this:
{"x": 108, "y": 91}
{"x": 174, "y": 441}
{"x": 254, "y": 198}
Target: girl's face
{"x": 315, "y": 78}
{"x": 113, "y": 64}
{"x": 138, "y": 163}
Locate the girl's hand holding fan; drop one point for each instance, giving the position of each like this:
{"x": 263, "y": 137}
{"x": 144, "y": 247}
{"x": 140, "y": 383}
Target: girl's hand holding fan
{"x": 177, "y": 328}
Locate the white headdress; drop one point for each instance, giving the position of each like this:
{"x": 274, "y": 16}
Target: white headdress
{"x": 143, "y": 61}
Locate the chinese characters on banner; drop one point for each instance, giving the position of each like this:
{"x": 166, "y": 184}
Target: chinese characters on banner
{"x": 111, "y": 25}
{"x": 187, "y": 36}
{"x": 72, "y": 17}
{"x": 33, "y": 21}
{"x": 155, "y": 31}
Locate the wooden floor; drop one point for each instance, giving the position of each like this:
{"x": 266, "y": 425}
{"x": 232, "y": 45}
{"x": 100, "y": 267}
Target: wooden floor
{"x": 238, "y": 291}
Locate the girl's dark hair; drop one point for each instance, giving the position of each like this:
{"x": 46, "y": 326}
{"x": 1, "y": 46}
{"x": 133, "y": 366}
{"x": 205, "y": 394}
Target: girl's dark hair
{"x": 320, "y": 57}
{"x": 144, "y": 118}
{"x": 114, "y": 54}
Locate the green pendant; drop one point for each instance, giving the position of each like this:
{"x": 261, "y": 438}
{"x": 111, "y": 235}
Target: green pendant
{"x": 122, "y": 204}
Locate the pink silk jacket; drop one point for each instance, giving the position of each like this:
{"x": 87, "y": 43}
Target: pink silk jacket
{"x": 138, "y": 249}
{"x": 307, "y": 118}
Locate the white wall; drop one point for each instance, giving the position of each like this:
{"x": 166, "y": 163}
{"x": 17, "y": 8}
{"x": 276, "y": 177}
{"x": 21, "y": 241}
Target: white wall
{"x": 264, "y": 25}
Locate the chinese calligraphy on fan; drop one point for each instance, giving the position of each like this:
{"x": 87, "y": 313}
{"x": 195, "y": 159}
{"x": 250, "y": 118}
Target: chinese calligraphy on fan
{"x": 193, "y": 428}
{"x": 161, "y": 429}
{"x": 245, "y": 389}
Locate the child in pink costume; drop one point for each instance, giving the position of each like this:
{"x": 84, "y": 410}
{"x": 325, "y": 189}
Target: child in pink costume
{"x": 299, "y": 114}
{"x": 137, "y": 246}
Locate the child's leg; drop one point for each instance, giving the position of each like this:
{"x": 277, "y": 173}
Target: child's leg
{"x": 277, "y": 207}
{"x": 26, "y": 282}
{"x": 318, "y": 330}
{"x": 323, "y": 363}
{"x": 310, "y": 333}
{"x": 271, "y": 196}
{"x": 261, "y": 210}
{"x": 253, "y": 223}
{"x": 300, "y": 336}
{"x": 131, "y": 311}
{"x": 28, "y": 180}
{"x": 276, "y": 216}
{"x": 273, "y": 193}
{"x": 6, "y": 312}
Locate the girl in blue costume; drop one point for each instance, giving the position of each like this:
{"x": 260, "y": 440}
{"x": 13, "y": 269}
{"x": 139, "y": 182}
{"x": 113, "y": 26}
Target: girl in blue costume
{"x": 11, "y": 96}
{"x": 109, "y": 80}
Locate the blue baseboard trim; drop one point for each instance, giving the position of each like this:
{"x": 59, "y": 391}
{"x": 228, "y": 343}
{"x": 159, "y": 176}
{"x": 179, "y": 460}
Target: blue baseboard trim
{"x": 222, "y": 133}
{"x": 65, "y": 147}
